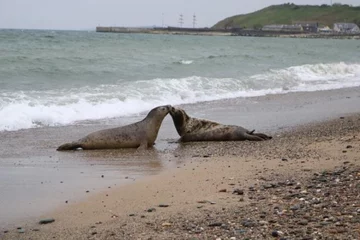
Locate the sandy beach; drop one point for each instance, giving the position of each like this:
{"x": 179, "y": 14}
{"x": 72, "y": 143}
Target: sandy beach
{"x": 303, "y": 184}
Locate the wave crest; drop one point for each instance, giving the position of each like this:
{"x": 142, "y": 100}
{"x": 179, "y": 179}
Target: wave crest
{"x": 19, "y": 110}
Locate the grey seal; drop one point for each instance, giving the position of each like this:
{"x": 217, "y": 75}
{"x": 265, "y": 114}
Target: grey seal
{"x": 141, "y": 134}
{"x": 194, "y": 129}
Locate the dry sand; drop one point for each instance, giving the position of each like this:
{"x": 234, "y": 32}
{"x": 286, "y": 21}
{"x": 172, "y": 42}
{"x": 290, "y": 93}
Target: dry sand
{"x": 278, "y": 182}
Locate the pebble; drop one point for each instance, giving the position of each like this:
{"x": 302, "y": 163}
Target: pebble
{"x": 238, "y": 191}
{"x": 222, "y": 190}
{"x": 164, "y": 205}
{"x": 215, "y": 224}
{"x": 248, "y": 223}
{"x": 275, "y": 234}
{"x": 241, "y": 231}
{"x": 151, "y": 210}
{"x": 46, "y": 221}
{"x": 295, "y": 207}
{"x": 303, "y": 222}
{"x": 267, "y": 186}
{"x": 261, "y": 222}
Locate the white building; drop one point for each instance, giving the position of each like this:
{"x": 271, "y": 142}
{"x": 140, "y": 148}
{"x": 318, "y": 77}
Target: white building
{"x": 346, "y": 28}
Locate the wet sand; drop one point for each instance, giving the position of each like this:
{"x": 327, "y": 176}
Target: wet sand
{"x": 35, "y": 178}
{"x": 273, "y": 177}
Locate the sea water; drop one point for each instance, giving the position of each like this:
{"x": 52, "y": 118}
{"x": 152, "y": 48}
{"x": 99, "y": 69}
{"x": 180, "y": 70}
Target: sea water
{"x": 59, "y": 78}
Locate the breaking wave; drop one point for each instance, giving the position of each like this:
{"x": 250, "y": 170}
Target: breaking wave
{"x": 21, "y": 109}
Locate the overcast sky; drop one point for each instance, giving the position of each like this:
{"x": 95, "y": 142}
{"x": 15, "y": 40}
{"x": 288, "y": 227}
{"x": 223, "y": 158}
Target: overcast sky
{"x": 87, "y": 14}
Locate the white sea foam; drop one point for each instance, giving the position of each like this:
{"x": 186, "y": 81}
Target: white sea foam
{"x": 186, "y": 62}
{"x": 19, "y": 110}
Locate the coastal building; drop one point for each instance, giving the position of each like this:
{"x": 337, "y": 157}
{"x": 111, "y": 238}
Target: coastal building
{"x": 346, "y": 28}
{"x": 325, "y": 29}
{"x": 282, "y": 28}
{"x": 308, "y": 26}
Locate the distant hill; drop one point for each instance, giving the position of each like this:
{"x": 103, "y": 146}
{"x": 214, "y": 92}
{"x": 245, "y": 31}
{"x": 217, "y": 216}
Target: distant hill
{"x": 290, "y": 13}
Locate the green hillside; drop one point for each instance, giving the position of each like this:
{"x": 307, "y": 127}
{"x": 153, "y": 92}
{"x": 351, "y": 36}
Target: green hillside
{"x": 325, "y": 15}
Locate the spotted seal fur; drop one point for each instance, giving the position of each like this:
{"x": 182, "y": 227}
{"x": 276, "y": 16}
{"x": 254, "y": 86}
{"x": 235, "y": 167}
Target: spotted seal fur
{"x": 194, "y": 129}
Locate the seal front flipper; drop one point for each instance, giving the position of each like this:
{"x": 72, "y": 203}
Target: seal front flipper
{"x": 69, "y": 146}
{"x": 143, "y": 146}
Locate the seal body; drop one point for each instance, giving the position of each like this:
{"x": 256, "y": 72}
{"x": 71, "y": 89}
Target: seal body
{"x": 140, "y": 134}
{"x": 195, "y": 129}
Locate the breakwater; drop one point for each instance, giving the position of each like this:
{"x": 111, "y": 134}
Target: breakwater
{"x": 227, "y": 32}
{"x": 168, "y": 30}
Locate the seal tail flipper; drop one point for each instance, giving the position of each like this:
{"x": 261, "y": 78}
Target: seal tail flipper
{"x": 252, "y": 137}
{"x": 69, "y": 146}
{"x": 257, "y": 137}
{"x": 263, "y": 136}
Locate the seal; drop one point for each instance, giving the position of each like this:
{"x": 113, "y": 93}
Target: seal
{"x": 136, "y": 135}
{"x": 195, "y": 129}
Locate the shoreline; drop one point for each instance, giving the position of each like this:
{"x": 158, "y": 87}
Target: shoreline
{"x": 50, "y": 179}
{"x": 208, "y": 169}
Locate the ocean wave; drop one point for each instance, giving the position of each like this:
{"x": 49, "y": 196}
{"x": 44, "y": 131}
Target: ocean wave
{"x": 185, "y": 62}
{"x": 21, "y": 110}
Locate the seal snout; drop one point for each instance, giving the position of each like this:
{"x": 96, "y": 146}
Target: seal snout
{"x": 175, "y": 112}
{"x": 168, "y": 108}
{"x": 172, "y": 109}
